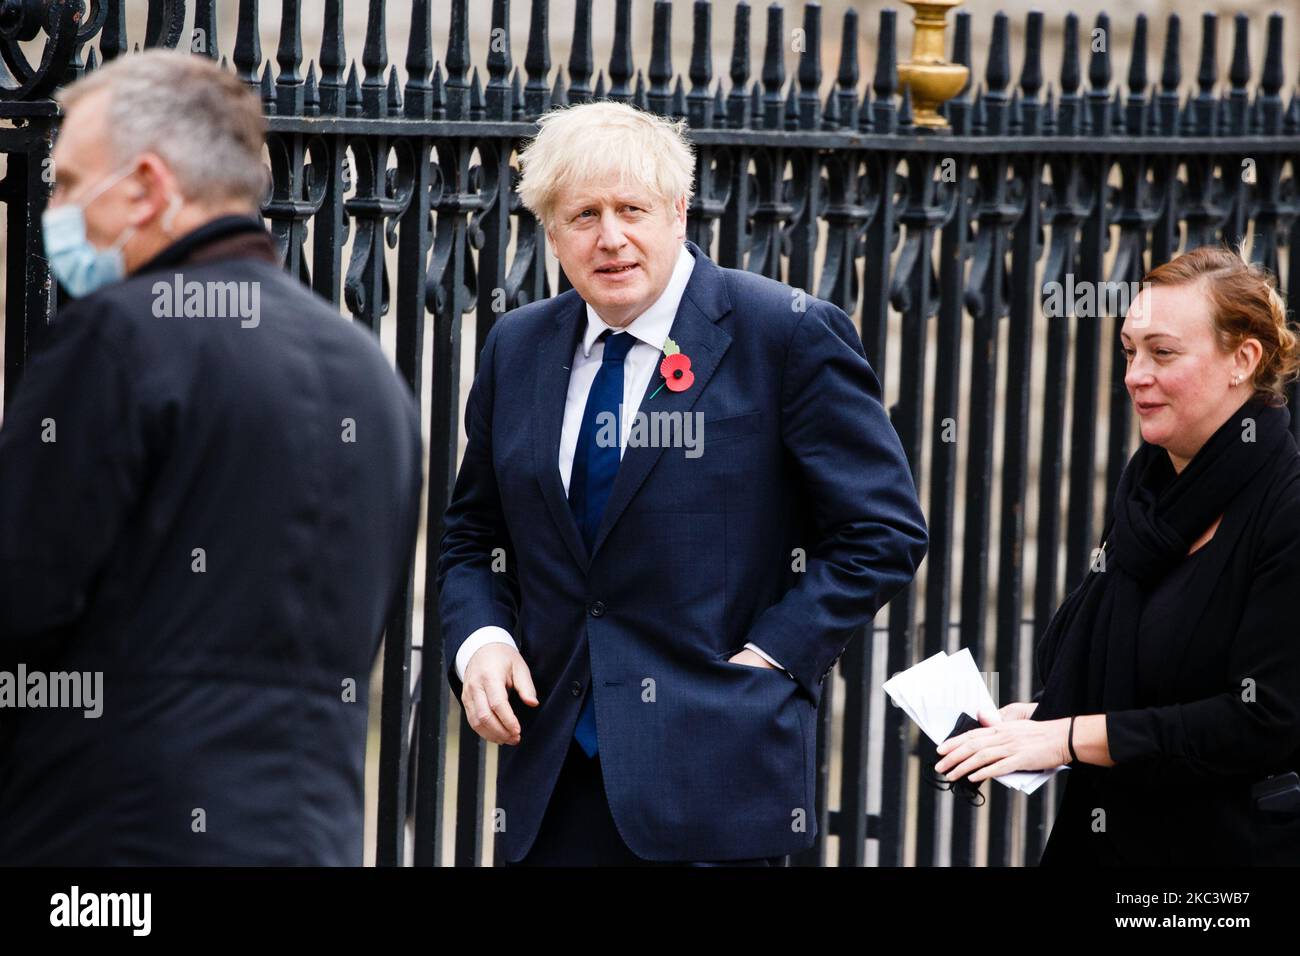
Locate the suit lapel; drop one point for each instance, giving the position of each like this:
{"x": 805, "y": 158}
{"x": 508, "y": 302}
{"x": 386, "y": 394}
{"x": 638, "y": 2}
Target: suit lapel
{"x": 554, "y": 361}
{"x": 696, "y": 332}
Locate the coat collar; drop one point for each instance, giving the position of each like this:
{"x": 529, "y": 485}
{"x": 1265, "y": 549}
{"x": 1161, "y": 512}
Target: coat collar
{"x": 225, "y": 237}
{"x": 695, "y": 331}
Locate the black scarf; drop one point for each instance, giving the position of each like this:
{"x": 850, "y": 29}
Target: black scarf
{"x": 1087, "y": 657}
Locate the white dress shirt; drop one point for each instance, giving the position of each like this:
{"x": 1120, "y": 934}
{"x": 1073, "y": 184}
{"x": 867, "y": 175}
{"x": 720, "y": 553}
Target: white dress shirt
{"x": 651, "y": 330}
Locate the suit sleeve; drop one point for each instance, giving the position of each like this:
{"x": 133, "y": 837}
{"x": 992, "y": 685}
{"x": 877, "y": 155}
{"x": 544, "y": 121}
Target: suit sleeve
{"x": 872, "y": 534}
{"x": 1253, "y": 725}
{"x": 471, "y": 593}
{"x": 72, "y": 461}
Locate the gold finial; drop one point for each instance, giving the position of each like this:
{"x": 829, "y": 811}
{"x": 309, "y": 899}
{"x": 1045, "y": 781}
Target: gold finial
{"x": 933, "y": 80}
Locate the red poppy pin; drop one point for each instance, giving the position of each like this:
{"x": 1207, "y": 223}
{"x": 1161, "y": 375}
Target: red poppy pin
{"x": 675, "y": 369}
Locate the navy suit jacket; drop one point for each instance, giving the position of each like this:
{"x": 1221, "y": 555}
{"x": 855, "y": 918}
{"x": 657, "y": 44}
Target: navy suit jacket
{"x": 702, "y": 759}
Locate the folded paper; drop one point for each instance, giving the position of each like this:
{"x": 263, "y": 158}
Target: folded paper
{"x": 938, "y": 691}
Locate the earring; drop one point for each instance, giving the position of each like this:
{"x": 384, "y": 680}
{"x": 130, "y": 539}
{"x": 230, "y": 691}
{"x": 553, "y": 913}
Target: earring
{"x": 1236, "y": 380}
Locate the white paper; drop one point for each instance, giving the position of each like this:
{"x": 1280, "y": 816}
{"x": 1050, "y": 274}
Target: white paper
{"x": 937, "y": 691}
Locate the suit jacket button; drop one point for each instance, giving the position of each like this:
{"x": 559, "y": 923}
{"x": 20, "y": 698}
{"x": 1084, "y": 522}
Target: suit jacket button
{"x": 597, "y": 608}
{"x": 576, "y": 688}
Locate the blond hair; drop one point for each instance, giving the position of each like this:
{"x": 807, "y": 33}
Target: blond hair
{"x": 1244, "y": 303}
{"x": 604, "y": 142}
{"x": 201, "y": 120}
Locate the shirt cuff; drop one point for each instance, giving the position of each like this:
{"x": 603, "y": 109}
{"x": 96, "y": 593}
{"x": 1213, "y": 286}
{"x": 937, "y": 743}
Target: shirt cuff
{"x": 767, "y": 657}
{"x": 491, "y": 634}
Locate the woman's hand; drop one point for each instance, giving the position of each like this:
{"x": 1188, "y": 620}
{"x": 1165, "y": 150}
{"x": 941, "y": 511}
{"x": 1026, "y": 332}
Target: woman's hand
{"x": 1018, "y": 711}
{"x": 1004, "y": 744}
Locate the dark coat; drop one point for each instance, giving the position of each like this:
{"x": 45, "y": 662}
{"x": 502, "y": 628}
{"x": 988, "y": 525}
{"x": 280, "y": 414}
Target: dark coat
{"x": 225, "y": 737}
{"x": 702, "y": 759}
{"x": 1185, "y": 760}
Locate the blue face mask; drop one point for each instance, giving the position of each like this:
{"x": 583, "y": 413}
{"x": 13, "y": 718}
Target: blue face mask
{"x": 80, "y": 267}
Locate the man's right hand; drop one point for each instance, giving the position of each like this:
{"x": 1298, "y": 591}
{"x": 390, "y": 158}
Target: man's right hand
{"x": 491, "y": 672}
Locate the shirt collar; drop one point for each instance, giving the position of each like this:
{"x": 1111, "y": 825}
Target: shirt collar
{"x": 653, "y": 325}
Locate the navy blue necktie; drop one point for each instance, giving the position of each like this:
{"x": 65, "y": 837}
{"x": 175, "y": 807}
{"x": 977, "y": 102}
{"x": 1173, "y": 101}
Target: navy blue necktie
{"x": 595, "y": 465}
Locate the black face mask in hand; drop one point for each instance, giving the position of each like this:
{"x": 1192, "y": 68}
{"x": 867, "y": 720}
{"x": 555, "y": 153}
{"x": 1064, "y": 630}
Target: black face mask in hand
{"x": 970, "y": 792}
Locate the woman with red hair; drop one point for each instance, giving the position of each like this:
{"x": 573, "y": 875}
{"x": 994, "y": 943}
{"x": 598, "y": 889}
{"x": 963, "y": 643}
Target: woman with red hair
{"x": 1171, "y": 674}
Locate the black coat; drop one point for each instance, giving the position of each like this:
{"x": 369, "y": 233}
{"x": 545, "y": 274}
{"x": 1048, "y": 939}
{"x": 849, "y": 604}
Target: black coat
{"x": 1187, "y": 757}
{"x": 225, "y": 736}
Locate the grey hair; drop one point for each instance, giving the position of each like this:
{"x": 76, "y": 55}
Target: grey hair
{"x": 200, "y": 119}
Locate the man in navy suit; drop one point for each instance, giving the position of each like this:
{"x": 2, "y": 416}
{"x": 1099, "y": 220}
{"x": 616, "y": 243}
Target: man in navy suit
{"x": 680, "y": 498}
